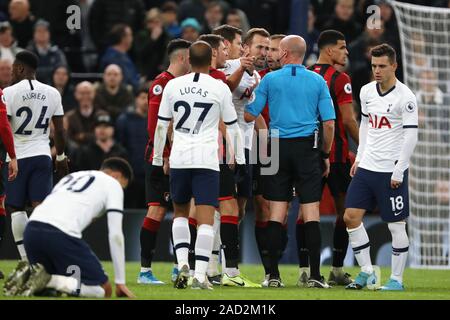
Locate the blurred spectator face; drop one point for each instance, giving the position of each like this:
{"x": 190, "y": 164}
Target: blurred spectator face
{"x": 442, "y": 191}
{"x": 233, "y": 19}
{"x": 190, "y": 34}
{"x": 6, "y": 37}
{"x": 112, "y": 76}
{"x": 344, "y": 9}
{"x": 222, "y": 55}
{"x": 42, "y": 36}
{"x": 127, "y": 39}
{"x": 258, "y": 49}
{"x": 141, "y": 102}
{"x": 169, "y": 18}
{"x": 428, "y": 81}
{"x": 235, "y": 49}
{"x": 60, "y": 77}
{"x": 19, "y": 10}
{"x": 272, "y": 55}
{"x": 311, "y": 19}
{"x": 5, "y": 72}
{"x": 375, "y": 33}
{"x": 84, "y": 94}
{"x": 104, "y": 132}
{"x": 214, "y": 15}
{"x": 385, "y": 11}
{"x": 154, "y": 19}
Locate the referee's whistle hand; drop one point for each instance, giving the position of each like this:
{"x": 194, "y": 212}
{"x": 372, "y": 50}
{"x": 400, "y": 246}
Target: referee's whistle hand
{"x": 326, "y": 167}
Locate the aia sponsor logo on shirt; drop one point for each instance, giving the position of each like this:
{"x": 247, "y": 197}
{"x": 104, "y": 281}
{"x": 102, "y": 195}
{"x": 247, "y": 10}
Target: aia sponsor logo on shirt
{"x": 379, "y": 122}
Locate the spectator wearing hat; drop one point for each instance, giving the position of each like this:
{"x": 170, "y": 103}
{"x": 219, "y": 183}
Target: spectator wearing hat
{"x": 49, "y": 55}
{"x": 131, "y": 132}
{"x": 112, "y": 95}
{"x": 91, "y": 155}
{"x": 151, "y": 44}
{"x": 8, "y": 46}
{"x": 121, "y": 37}
{"x": 22, "y": 21}
{"x": 190, "y": 29}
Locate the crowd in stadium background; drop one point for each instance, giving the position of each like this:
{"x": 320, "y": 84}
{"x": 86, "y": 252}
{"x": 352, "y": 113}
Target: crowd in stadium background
{"x": 134, "y": 34}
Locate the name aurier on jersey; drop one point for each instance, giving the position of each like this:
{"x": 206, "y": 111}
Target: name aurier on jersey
{"x": 33, "y": 95}
{"x": 193, "y": 90}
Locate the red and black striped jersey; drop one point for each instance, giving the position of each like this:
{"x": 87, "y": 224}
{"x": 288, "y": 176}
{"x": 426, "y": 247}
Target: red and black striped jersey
{"x": 154, "y": 99}
{"x": 340, "y": 87}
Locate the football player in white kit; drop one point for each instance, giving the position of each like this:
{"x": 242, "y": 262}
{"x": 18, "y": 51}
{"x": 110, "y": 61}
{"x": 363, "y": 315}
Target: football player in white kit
{"x": 195, "y": 102}
{"x": 53, "y": 240}
{"x": 388, "y": 136}
{"x": 31, "y": 105}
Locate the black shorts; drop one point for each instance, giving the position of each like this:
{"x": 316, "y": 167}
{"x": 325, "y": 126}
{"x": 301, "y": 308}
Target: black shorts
{"x": 157, "y": 190}
{"x": 299, "y": 167}
{"x": 244, "y": 187}
{"x": 258, "y": 180}
{"x": 227, "y": 189}
{"x": 339, "y": 178}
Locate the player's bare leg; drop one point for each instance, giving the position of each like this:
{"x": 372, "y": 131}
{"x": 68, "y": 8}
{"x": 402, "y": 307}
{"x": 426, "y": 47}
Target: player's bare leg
{"x": 340, "y": 244}
{"x": 359, "y": 241}
{"x": 148, "y": 236}
{"x": 311, "y": 216}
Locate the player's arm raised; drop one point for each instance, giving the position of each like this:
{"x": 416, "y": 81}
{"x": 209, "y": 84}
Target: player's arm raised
{"x": 235, "y": 78}
{"x": 410, "y": 137}
{"x": 257, "y": 102}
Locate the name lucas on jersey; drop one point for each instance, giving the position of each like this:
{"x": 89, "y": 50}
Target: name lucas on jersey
{"x": 33, "y": 95}
{"x": 193, "y": 90}
{"x": 379, "y": 122}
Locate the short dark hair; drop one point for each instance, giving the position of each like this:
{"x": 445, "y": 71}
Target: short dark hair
{"x": 120, "y": 165}
{"x": 329, "y": 38}
{"x": 28, "y": 59}
{"x": 177, "y": 44}
{"x": 117, "y": 33}
{"x": 277, "y": 36}
{"x": 142, "y": 89}
{"x": 212, "y": 39}
{"x": 200, "y": 54}
{"x": 253, "y": 32}
{"x": 384, "y": 50}
{"x": 228, "y": 32}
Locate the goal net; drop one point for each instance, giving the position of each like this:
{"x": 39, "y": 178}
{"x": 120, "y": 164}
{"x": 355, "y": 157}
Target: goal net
{"x": 425, "y": 42}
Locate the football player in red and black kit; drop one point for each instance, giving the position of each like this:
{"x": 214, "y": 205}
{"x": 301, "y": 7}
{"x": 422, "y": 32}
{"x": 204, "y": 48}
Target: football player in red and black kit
{"x": 333, "y": 51}
{"x": 6, "y": 146}
{"x": 157, "y": 178}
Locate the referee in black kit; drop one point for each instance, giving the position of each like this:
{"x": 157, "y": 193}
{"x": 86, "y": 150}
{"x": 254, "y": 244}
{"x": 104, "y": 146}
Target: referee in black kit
{"x": 298, "y": 98}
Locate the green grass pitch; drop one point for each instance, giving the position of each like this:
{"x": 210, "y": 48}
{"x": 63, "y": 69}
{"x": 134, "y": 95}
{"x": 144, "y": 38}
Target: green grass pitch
{"x": 420, "y": 284}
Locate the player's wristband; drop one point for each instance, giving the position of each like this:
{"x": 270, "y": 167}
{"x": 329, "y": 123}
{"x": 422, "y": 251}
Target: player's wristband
{"x": 324, "y": 155}
{"x": 61, "y": 157}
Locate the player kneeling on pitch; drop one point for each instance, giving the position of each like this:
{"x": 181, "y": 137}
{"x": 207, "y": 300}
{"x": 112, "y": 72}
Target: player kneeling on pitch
{"x": 53, "y": 241}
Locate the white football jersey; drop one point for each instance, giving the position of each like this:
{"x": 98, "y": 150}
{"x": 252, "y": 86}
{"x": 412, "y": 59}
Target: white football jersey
{"x": 389, "y": 114}
{"x": 31, "y": 105}
{"x": 196, "y": 102}
{"x": 241, "y": 96}
{"x": 78, "y": 199}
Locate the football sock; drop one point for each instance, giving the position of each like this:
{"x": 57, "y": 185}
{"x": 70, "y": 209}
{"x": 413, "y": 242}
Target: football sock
{"x": 340, "y": 242}
{"x": 64, "y": 284}
{"x": 203, "y": 248}
{"x": 274, "y": 231}
{"x": 193, "y": 232}
{"x": 229, "y": 233}
{"x": 213, "y": 266}
{"x": 313, "y": 243}
{"x": 302, "y": 250}
{"x": 400, "y": 245}
{"x": 19, "y": 220}
{"x": 181, "y": 240}
{"x": 92, "y": 291}
{"x": 261, "y": 241}
{"x": 175, "y": 261}
{"x": 149, "y": 232}
{"x": 359, "y": 241}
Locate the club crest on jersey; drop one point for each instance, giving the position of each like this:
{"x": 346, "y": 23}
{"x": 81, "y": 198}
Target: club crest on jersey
{"x": 379, "y": 122}
{"x": 410, "y": 107}
{"x": 348, "y": 88}
{"x": 157, "y": 90}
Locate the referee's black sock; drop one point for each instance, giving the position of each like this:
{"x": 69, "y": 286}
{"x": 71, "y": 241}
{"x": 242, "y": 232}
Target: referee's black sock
{"x": 261, "y": 241}
{"x": 302, "y": 250}
{"x": 340, "y": 242}
{"x": 229, "y": 234}
{"x": 313, "y": 243}
{"x": 284, "y": 239}
{"x": 274, "y": 233}
{"x": 149, "y": 232}
{"x": 193, "y": 231}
